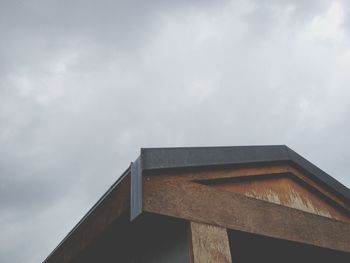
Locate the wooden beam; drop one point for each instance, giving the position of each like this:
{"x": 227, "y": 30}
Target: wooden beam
{"x": 209, "y": 244}
{"x": 201, "y": 203}
{"x": 249, "y": 171}
{"x": 284, "y": 189}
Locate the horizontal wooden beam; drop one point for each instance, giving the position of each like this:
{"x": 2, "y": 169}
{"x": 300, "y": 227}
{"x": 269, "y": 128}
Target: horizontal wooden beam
{"x": 192, "y": 201}
{"x": 253, "y": 170}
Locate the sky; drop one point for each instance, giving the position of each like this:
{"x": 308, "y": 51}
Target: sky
{"x": 85, "y": 84}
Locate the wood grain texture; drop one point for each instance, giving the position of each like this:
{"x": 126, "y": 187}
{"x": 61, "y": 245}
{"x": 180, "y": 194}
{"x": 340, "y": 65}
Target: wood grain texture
{"x": 209, "y": 243}
{"x": 284, "y": 189}
{"x": 201, "y": 203}
{"x": 249, "y": 171}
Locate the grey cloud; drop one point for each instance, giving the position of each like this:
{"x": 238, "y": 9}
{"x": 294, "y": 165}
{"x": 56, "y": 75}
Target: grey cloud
{"x": 85, "y": 84}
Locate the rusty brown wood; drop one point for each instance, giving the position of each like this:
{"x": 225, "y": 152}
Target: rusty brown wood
{"x": 287, "y": 190}
{"x": 209, "y": 244}
{"x": 219, "y": 173}
{"x": 192, "y": 201}
{"x": 327, "y": 192}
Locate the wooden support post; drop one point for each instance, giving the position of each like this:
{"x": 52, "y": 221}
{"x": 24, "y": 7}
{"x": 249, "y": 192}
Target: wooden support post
{"x": 209, "y": 244}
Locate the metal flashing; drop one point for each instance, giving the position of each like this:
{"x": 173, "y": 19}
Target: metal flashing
{"x": 318, "y": 174}
{"x": 136, "y": 189}
{"x": 165, "y": 158}
{"x": 186, "y": 157}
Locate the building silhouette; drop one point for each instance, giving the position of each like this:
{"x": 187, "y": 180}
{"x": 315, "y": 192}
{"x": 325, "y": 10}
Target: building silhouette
{"x": 215, "y": 204}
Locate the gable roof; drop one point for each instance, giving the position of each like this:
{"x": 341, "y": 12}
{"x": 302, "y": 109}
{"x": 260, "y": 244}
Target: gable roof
{"x": 195, "y": 157}
{"x": 152, "y": 159}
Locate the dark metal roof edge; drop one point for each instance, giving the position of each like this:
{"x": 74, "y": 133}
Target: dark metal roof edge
{"x": 91, "y": 210}
{"x": 186, "y": 157}
{"x": 145, "y": 149}
{"x": 181, "y": 157}
{"x": 319, "y": 174}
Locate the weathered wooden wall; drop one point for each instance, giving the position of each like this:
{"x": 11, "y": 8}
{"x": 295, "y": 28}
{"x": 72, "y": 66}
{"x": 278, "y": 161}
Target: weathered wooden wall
{"x": 186, "y": 194}
{"x": 287, "y": 190}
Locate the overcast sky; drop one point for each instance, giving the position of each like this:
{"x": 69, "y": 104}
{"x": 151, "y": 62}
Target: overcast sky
{"x": 85, "y": 84}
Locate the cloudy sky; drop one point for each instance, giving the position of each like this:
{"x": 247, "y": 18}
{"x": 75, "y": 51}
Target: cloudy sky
{"x": 85, "y": 84}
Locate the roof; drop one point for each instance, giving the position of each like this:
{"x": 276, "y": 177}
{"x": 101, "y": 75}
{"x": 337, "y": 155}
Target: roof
{"x": 152, "y": 159}
{"x": 195, "y": 157}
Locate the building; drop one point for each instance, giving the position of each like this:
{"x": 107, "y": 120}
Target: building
{"x": 215, "y": 204}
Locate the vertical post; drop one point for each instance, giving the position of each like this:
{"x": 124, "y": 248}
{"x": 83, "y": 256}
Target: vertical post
{"x": 209, "y": 244}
